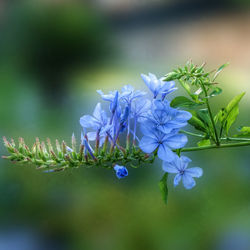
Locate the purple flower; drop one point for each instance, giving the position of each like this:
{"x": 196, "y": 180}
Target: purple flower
{"x": 164, "y": 143}
{"x": 179, "y": 167}
{"x": 158, "y": 86}
{"x": 121, "y": 171}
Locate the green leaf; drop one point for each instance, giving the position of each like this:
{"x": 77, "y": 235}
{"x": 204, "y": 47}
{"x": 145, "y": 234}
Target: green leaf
{"x": 164, "y": 188}
{"x": 230, "y": 113}
{"x": 205, "y": 142}
{"x": 219, "y": 70}
{"x": 183, "y": 102}
{"x": 204, "y": 116}
{"x": 196, "y": 122}
{"x": 244, "y": 131}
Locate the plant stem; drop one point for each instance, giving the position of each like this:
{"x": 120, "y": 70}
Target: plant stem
{"x": 190, "y": 133}
{"x": 211, "y": 115}
{"x": 239, "y": 144}
{"x": 235, "y": 139}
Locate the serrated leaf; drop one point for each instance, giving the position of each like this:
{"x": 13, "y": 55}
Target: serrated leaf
{"x": 205, "y": 142}
{"x": 219, "y": 70}
{"x": 183, "y": 102}
{"x": 164, "y": 188}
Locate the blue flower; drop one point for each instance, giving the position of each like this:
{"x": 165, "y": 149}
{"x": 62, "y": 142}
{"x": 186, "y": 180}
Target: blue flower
{"x": 140, "y": 109}
{"x": 113, "y": 97}
{"x": 179, "y": 167}
{"x": 158, "y": 86}
{"x": 97, "y": 121}
{"x": 165, "y": 118}
{"x": 168, "y": 88}
{"x": 121, "y": 171}
{"x": 129, "y": 94}
{"x": 154, "y": 139}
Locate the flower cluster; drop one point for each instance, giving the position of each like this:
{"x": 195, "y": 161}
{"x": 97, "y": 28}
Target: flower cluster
{"x": 159, "y": 125}
{"x": 150, "y": 125}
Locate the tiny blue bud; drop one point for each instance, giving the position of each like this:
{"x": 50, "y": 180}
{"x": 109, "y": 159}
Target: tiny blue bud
{"x": 121, "y": 171}
{"x": 49, "y": 171}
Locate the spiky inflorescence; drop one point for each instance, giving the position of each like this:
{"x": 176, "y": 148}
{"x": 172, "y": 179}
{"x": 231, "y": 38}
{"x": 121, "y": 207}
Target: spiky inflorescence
{"x": 46, "y": 158}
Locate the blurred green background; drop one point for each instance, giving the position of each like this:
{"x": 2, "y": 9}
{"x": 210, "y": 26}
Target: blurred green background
{"x": 54, "y": 55}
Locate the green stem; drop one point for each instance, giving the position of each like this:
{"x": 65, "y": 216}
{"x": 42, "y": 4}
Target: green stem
{"x": 235, "y": 139}
{"x": 211, "y": 115}
{"x": 190, "y": 133}
{"x": 239, "y": 144}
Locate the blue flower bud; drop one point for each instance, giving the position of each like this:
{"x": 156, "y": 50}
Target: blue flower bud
{"x": 49, "y": 171}
{"x": 114, "y": 104}
{"x": 125, "y": 115}
{"x": 121, "y": 171}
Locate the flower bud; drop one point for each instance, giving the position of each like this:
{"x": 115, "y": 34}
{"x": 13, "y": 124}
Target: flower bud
{"x": 121, "y": 171}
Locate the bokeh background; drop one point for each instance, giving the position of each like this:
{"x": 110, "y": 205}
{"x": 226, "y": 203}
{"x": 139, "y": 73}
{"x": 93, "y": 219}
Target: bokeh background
{"x": 53, "y": 56}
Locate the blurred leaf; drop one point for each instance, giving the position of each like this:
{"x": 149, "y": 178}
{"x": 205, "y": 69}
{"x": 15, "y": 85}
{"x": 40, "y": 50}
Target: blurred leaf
{"x": 219, "y": 70}
{"x": 164, "y": 188}
{"x": 244, "y": 131}
{"x": 205, "y": 142}
{"x": 184, "y": 102}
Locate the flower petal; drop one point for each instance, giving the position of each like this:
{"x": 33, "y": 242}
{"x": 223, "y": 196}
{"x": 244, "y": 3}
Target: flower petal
{"x": 170, "y": 167}
{"x": 194, "y": 172}
{"x": 177, "y": 179}
{"x": 176, "y": 141}
{"x": 148, "y": 144}
{"x": 87, "y": 121}
{"x": 188, "y": 181}
{"x": 97, "y": 112}
{"x": 183, "y": 115}
{"x": 165, "y": 153}
{"x": 147, "y": 128}
{"x": 165, "y": 128}
{"x": 91, "y": 136}
{"x": 184, "y": 161}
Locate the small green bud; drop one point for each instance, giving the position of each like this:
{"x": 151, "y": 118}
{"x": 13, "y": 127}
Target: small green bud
{"x": 171, "y": 76}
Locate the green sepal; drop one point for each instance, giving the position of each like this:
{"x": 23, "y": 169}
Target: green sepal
{"x": 219, "y": 70}
{"x": 164, "y": 187}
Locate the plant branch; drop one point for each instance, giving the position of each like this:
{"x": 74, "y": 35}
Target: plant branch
{"x": 239, "y": 144}
{"x": 211, "y": 115}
